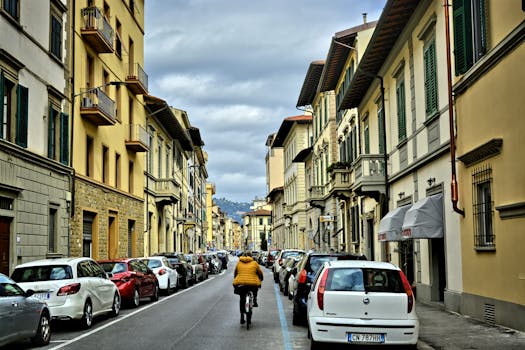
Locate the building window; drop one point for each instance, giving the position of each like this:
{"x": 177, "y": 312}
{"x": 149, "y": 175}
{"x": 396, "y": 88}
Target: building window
{"x": 401, "y": 111}
{"x": 131, "y": 234}
{"x": 381, "y": 127}
{"x": 431, "y": 88}
{"x": 11, "y": 7}
{"x": 483, "y": 207}
{"x": 89, "y": 156}
{"x": 470, "y": 33}
{"x": 14, "y": 111}
{"x": 56, "y": 35}
{"x": 131, "y": 180}
{"x": 117, "y": 170}
{"x": 366, "y": 136}
{"x": 118, "y": 40}
{"x": 105, "y": 164}
{"x": 58, "y": 135}
{"x": 52, "y": 230}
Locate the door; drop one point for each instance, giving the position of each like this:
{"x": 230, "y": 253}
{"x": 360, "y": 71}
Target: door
{"x": 438, "y": 282}
{"x": 5, "y": 230}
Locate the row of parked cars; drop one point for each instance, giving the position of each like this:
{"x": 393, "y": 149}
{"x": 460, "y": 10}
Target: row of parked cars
{"x": 80, "y": 289}
{"x": 343, "y": 298}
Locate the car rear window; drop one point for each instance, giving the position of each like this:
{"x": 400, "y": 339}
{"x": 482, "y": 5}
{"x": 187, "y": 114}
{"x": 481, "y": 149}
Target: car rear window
{"x": 42, "y": 273}
{"x": 317, "y": 261}
{"x": 289, "y": 254}
{"x": 364, "y": 280}
{"x": 114, "y": 267}
{"x": 153, "y": 263}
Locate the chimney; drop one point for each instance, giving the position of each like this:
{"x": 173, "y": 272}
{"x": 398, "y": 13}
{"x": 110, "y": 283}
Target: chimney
{"x": 364, "y": 17}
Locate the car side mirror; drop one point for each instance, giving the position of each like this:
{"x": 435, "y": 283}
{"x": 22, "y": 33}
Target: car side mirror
{"x": 29, "y": 293}
{"x": 109, "y": 275}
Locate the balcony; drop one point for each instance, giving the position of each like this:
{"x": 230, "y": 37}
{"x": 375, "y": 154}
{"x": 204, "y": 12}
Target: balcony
{"x": 369, "y": 172}
{"x": 137, "y": 140}
{"x": 97, "y": 107}
{"x": 317, "y": 196}
{"x": 341, "y": 182}
{"x": 96, "y": 30}
{"x": 137, "y": 80}
{"x": 166, "y": 191}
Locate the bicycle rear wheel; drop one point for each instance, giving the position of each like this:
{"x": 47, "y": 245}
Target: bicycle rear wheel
{"x": 249, "y": 306}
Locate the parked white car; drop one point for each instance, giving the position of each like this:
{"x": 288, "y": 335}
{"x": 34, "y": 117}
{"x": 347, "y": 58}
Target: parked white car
{"x": 166, "y": 274}
{"x": 361, "y": 302}
{"x": 73, "y": 288}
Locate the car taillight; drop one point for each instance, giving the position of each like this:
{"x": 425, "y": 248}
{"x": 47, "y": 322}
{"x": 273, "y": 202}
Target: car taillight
{"x": 69, "y": 289}
{"x": 302, "y": 276}
{"x": 408, "y": 290}
{"x": 321, "y": 289}
{"x": 162, "y": 272}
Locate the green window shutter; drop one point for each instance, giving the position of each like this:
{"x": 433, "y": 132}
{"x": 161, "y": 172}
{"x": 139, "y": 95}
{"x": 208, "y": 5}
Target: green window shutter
{"x": 64, "y": 138}
{"x": 431, "y": 101}
{"x": 380, "y": 118}
{"x": 2, "y": 105}
{"x": 401, "y": 114}
{"x": 21, "y": 115}
{"x": 461, "y": 12}
{"x": 51, "y": 133}
{"x": 367, "y": 139}
{"x": 56, "y": 37}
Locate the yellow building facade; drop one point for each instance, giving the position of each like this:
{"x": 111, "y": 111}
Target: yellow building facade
{"x": 488, "y": 56}
{"x": 108, "y": 128}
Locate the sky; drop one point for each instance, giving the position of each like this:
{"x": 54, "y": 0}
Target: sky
{"x": 237, "y": 68}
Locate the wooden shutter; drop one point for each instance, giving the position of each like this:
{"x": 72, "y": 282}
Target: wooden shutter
{"x": 401, "y": 115}
{"x": 21, "y": 115}
{"x": 1, "y": 105}
{"x": 380, "y": 118}
{"x": 367, "y": 139}
{"x": 51, "y": 133}
{"x": 64, "y": 138}
{"x": 430, "y": 79}
{"x": 461, "y": 13}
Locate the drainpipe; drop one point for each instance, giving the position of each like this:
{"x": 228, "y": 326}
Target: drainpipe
{"x": 453, "y": 181}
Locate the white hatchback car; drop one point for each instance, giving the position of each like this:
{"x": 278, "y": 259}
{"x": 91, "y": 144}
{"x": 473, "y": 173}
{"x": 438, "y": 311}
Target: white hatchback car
{"x": 361, "y": 302}
{"x": 73, "y": 288}
{"x": 166, "y": 274}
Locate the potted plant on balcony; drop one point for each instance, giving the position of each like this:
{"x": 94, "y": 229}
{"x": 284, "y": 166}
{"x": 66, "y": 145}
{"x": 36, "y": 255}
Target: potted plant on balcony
{"x": 338, "y": 165}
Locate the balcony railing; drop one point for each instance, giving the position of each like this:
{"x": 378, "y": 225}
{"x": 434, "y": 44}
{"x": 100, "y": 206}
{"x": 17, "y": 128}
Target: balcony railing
{"x": 166, "y": 191}
{"x": 341, "y": 181}
{"x": 97, "y": 107}
{"x": 317, "y": 196}
{"x": 137, "y": 80}
{"x": 369, "y": 170}
{"x": 96, "y": 30}
{"x": 137, "y": 140}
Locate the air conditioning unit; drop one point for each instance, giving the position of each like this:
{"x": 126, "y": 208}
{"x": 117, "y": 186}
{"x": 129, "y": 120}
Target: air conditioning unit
{"x": 86, "y": 102}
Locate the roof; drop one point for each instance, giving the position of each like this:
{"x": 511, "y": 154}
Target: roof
{"x": 195, "y": 135}
{"x": 259, "y": 212}
{"x": 390, "y": 25}
{"x": 286, "y": 125}
{"x": 303, "y": 155}
{"x": 338, "y": 54}
{"x": 159, "y": 109}
{"x": 311, "y": 81}
{"x": 275, "y": 191}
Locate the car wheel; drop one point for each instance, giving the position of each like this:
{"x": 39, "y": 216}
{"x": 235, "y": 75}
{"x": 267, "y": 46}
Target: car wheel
{"x": 315, "y": 345}
{"x": 115, "y": 308}
{"x": 43, "y": 332}
{"x": 295, "y": 319}
{"x": 168, "y": 288}
{"x": 135, "y": 301}
{"x": 285, "y": 291}
{"x": 155, "y": 295}
{"x": 87, "y": 315}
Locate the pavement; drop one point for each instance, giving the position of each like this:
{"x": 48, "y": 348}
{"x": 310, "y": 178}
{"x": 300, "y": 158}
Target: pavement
{"x": 442, "y": 329}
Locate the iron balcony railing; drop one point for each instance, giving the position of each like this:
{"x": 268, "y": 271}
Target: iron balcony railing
{"x": 138, "y": 133}
{"x": 97, "y": 98}
{"x": 136, "y": 71}
{"x": 94, "y": 19}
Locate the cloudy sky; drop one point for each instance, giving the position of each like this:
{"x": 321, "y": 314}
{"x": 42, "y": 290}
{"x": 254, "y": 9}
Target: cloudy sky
{"x": 237, "y": 68}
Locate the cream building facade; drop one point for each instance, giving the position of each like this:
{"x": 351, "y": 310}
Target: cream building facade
{"x": 36, "y": 181}
{"x": 108, "y": 128}
{"x": 210, "y": 192}
{"x": 488, "y": 53}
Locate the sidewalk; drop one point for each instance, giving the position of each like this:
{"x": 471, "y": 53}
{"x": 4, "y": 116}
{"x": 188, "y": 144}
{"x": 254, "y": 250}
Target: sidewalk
{"x": 441, "y": 329}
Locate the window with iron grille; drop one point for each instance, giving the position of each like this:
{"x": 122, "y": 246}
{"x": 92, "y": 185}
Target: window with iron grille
{"x": 483, "y": 208}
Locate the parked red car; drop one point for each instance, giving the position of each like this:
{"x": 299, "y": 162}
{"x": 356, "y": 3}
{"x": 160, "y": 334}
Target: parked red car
{"x": 133, "y": 278}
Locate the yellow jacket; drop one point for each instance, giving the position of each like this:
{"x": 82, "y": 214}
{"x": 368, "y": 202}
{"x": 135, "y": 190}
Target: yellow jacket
{"x": 247, "y": 272}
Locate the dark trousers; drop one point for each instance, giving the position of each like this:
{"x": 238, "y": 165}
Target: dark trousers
{"x": 242, "y": 296}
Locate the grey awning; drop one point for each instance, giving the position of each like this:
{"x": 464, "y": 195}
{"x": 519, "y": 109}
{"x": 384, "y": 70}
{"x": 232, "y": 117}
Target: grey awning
{"x": 391, "y": 223}
{"x": 424, "y": 219}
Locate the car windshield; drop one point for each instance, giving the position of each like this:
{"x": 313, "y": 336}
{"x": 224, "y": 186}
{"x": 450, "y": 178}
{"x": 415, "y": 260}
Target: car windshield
{"x": 42, "y": 273}
{"x": 114, "y": 267}
{"x": 364, "y": 279}
{"x": 317, "y": 261}
{"x": 152, "y": 263}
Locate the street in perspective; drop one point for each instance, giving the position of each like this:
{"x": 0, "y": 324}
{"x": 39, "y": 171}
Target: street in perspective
{"x": 271, "y": 174}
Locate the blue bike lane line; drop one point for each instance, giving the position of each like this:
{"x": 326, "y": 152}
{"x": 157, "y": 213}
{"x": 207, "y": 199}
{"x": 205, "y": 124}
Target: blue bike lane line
{"x": 282, "y": 319}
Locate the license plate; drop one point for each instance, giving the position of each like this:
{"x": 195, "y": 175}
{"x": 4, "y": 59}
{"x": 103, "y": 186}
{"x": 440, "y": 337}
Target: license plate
{"x": 366, "y": 338}
{"x": 41, "y": 296}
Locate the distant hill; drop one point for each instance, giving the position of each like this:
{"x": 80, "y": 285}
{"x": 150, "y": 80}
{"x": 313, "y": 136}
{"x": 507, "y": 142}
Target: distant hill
{"x": 234, "y": 210}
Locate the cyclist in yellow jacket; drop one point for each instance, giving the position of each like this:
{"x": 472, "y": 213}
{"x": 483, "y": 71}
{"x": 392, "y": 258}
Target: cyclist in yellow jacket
{"x": 247, "y": 273}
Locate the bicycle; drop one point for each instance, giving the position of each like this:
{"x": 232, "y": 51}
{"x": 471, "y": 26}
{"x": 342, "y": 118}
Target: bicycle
{"x": 246, "y": 303}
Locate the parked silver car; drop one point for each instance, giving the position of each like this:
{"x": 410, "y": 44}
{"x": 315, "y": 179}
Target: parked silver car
{"x": 22, "y": 315}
